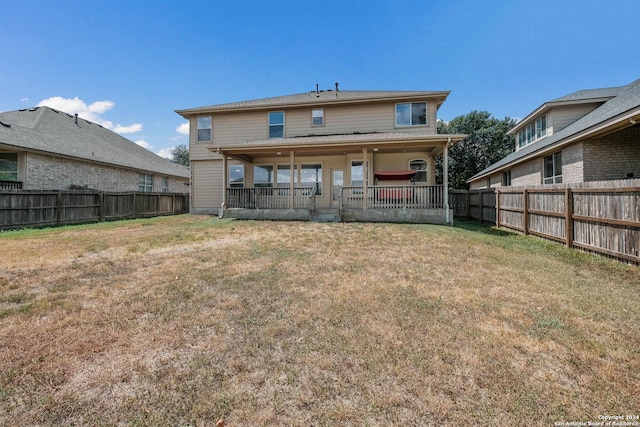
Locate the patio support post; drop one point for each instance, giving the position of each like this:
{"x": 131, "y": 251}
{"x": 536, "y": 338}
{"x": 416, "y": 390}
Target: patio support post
{"x": 224, "y": 186}
{"x": 445, "y": 179}
{"x": 365, "y": 176}
{"x": 293, "y": 179}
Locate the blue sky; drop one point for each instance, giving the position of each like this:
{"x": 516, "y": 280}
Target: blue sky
{"x": 129, "y": 64}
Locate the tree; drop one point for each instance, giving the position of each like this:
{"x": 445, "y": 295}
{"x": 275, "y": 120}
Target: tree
{"x": 180, "y": 155}
{"x": 486, "y": 143}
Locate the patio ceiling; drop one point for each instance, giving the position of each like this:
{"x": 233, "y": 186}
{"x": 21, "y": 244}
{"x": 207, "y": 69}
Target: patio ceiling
{"x": 340, "y": 144}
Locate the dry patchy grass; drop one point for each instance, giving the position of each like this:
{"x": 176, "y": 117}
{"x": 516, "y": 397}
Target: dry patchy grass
{"x": 185, "y": 320}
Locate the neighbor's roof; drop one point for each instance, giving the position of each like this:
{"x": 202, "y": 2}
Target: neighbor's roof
{"x": 579, "y": 97}
{"x": 624, "y": 104}
{"x": 317, "y": 98}
{"x": 45, "y": 130}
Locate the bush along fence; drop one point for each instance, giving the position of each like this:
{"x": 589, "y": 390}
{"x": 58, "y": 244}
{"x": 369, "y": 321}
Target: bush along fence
{"x": 30, "y": 209}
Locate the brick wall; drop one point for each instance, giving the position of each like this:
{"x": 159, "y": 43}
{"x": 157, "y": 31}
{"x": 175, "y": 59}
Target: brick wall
{"x": 572, "y": 163}
{"x": 529, "y": 173}
{"x": 613, "y": 156}
{"x": 56, "y": 173}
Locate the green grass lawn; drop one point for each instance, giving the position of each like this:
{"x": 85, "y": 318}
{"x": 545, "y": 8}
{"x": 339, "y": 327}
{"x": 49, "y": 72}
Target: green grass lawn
{"x": 187, "y": 320}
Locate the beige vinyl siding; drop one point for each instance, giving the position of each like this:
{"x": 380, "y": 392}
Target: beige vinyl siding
{"x": 232, "y": 128}
{"x": 199, "y": 150}
{"x": 206, "y": 189}
{"x": 560, "y": 117}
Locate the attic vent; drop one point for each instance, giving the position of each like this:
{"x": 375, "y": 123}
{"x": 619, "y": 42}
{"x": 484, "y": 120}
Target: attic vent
{"x": 7, "y": 125}
{"x": 33, "y": 109}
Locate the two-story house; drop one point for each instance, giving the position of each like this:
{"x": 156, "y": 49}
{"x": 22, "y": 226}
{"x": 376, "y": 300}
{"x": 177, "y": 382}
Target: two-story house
{"x": 589, "y": 135}
{"x": 347, "y": 155}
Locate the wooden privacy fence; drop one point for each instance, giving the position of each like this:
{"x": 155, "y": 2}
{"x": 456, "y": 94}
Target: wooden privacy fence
{"x": 474, "y": 204}
{"x": 601, "y": 217}
{"x": 24, "y": 209}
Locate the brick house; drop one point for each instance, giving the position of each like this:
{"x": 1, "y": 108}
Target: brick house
{"x": 45, "y": 149}
{"x": 585, "y": 136}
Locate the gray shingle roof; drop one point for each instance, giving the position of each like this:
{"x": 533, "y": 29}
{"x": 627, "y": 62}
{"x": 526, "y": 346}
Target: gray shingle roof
{"x": 46, "y": 130}
{"x": 626, "y": 98}
{"x": 311, "y": 98}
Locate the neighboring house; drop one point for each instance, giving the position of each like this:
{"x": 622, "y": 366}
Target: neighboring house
{"x": 45, "y": 149}
{"x": 348, "y": 155}
{"x": 589, "y": 135}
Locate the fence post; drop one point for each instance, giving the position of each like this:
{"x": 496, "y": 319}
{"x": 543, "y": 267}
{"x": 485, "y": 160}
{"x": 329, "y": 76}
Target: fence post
{"x": 101, "y": 200}
{"x": 481, "y": 206}
{"x": 568, "y": 206}
{"x": 525, "y": 211}
{"x": 59, "y": 208}
{"x": 468, "y": 204}
{"x": 133, "y": 214}
{"x": 497, "y": 207}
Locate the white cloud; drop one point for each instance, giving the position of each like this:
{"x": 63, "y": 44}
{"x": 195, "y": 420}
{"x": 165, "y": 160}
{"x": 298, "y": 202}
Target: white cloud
{"x": 25, "y": 100}
{"x": 183, "y": 128}
{"x": 136, "y": 127}
{"x": 92, "y": 112}
{"x": 166, "y": 153}
{"x": 144, "y": 144}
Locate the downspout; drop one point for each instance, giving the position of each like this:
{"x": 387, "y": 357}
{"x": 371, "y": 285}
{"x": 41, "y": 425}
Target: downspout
{"x": 224, "y": 186}
{"x": 445, "y": 180}
{"x": 292, "y": 172}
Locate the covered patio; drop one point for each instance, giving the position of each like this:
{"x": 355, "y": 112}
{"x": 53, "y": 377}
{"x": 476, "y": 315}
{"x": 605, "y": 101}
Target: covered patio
{"x": 371, "y": 178}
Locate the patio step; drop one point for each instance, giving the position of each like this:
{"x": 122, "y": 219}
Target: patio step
{"x": 326, "y": 215}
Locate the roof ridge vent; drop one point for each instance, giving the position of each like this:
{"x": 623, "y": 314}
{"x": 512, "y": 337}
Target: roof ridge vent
{"x": 7, "y": 125}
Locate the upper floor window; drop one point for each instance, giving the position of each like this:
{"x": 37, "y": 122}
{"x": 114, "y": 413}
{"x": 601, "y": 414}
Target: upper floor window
{"x": 276, "y": 124}
{"x": 204, "y": 129}
{"x": 145, "y": 183}
{"x": 8, "y": 167}
{"x": 533, "y": 132}
{"x": 317, "y": 117}
{"x": 411, "y": 114}
{"x": 552, "y": 169}
{"x": 420, "y": 166}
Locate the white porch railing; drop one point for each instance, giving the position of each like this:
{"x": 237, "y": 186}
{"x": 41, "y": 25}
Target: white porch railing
{"x": 394, "y": 197}
{"x": 271, "y": 198}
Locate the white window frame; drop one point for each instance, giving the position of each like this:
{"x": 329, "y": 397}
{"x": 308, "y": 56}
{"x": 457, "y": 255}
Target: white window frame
{"x": 411, "y": 123}
{"x": 165, "y": 184}
{"x": 420, "y": 171}
{"x": 555, "y": 161}
{"x": 9, "y": 167}
{"x": 145, "y": 182}
{"x": 274, "y": 125}
{"x": 532, "y": 132}
{"x": 201, "y": 125}
{"x": 315, "y": 116}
